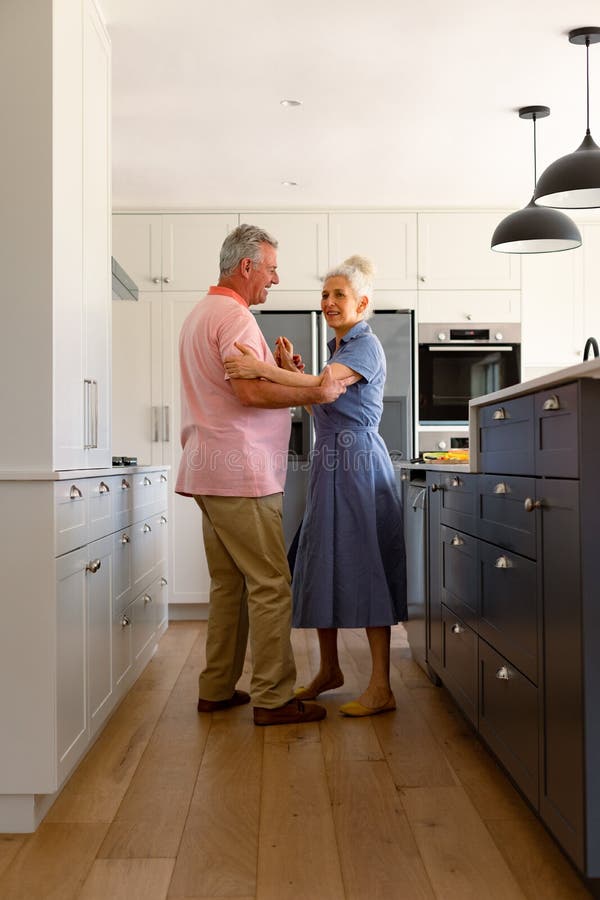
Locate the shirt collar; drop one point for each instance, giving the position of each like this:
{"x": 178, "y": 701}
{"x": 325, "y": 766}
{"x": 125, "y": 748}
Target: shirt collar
{"x": 354, "y": 332}
{"x": 218, "y": 289}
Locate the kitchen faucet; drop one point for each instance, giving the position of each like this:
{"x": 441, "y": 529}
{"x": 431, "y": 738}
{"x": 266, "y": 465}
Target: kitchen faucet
{"x": 590, "y": 344}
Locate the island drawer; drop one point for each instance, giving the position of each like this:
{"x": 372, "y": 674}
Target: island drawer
{"x": 458, "y": 497}
{"x": 507, "y": 512}
{"x": 506, "y": 437}
{"x": 508, "y": 719}
{"x": 459, "y": 573}
{"x": 508, "y": 606}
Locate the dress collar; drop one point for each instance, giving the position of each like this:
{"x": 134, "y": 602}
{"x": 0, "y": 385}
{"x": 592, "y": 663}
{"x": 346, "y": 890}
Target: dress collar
{"x": 356, "y": 330}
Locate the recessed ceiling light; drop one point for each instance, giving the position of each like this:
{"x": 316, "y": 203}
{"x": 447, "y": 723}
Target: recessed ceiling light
{"x": 289, "y": 183}
{"x": 290, "y": 102}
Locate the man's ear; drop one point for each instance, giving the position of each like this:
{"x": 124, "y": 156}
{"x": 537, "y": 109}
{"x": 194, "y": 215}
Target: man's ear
{"x": 245, "y": 266}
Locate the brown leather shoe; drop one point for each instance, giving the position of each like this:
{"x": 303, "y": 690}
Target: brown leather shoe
{"x": 294, "y": 712}
{"x": 238, "y": 698}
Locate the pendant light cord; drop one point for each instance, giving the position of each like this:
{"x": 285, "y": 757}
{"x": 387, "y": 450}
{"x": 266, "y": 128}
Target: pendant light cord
{"x": 587, "y": 71}
{"x": 534, "y": 117}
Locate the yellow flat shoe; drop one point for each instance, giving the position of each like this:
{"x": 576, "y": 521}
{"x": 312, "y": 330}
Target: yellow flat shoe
{"x": 356, "y": 709}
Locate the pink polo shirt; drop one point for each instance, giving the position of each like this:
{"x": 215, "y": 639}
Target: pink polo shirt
{"x": 228, "y": 449}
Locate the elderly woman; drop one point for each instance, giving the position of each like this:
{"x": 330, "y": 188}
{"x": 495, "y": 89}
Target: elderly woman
{"x": 350, "y": 564}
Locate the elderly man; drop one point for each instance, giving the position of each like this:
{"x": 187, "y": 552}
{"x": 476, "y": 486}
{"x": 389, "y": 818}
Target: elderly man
{"x": 235, "y": 436}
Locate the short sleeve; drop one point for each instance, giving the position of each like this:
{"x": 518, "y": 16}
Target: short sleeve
{"x": 242, "y": 327}
{"x": 364, "y": 354}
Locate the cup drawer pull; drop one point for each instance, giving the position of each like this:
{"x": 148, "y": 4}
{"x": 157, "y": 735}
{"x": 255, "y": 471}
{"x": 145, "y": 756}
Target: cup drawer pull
{"x": 75, "y": 493}
{"x": 457, "y": 541}
{"x": 457, "y": 629}
{"x": 503, "y": 562}
{"x": 552, "y": 403}
{"x": 499, "y": 413}
{"x": 503, "y": 673}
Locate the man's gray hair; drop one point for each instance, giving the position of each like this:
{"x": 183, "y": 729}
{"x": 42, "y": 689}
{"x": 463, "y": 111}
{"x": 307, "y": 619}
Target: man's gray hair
{"x": 243, "y": 242}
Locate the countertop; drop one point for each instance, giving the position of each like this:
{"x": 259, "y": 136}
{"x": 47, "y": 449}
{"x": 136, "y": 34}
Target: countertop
{"x": 75, "y": 474}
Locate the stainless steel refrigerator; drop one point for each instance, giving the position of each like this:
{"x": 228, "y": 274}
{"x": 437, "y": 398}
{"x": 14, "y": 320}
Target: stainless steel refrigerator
{"x": 309, "y": 334}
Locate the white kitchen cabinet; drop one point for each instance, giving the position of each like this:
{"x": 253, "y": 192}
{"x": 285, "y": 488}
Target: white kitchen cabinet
{"x": 552, "y": 307}
{"x": 77, "y": 631}
{"x": 302, "y": 258}
{"x": 171, "y": 252}
{"x": 389, "y": 239}
{"x": 454, "y": 253}
{"x": 55, "y": 227}
{"x": 469, "y": 306}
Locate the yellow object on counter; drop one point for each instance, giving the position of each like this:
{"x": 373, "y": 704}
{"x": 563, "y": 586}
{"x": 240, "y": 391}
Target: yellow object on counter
{"x": 446, "y": 455}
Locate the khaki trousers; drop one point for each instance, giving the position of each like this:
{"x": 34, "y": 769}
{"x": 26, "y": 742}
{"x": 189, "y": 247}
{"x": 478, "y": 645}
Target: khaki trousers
{"x": 249, "y": 593}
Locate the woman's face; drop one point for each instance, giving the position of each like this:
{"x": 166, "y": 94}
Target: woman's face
{"x": 341, "y": 307}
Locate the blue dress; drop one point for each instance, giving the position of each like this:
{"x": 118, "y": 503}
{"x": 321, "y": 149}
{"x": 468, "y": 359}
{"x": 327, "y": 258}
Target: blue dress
{"x": 350, "y": 568}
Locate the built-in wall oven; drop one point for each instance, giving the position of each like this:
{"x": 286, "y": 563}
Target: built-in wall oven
{"x": 457, "y": 364}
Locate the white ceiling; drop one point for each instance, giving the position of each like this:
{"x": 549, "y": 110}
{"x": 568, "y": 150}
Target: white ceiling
{"x": 405, "y": 104}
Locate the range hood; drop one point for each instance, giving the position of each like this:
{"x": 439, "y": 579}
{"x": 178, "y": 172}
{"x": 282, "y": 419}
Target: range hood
{"x": 123, "y": 288}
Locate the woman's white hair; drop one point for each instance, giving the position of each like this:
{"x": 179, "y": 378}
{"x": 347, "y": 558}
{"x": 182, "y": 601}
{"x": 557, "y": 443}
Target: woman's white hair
{"x": 359, "y": 272}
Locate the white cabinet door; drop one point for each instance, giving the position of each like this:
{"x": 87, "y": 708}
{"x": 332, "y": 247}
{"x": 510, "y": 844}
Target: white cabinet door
{"x": 469, "y": 306}
{"x": 190, "y": 250}
{"x": 551, "y": 311}
{"x": 99, "y": 584}
{"x": 388, "y": 239}
{"x": 190, "y": 581}
{"x": 139, "y": 418}
{"x": 137, "y": 247}
{"x": 302, "y": 253}
{"x": 590, "y": 318}
{"x": 455, "y": 253}
{"x": 96, "y": 230}
{"x": 71, "y": 659}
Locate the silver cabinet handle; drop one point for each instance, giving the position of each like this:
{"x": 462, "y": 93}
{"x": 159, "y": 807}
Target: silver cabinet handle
{"x": 93, "y": 566}
{"x": 437, "y": 487}
{"x": 104, "y": 488}
{"x": 163, "y": 520}
{"x": 503, "y": 673}
{"x": 75, "y": 493}
{"x": 87, "y": 414}
{"x": 125, "y": 539}
{"x": 163, "y": 581}
{"x": 156, "y": 280}
{"x": 468, "y": 316}
{"x": 499, "y": 414}
{"x": 501, "y": 488}
{"x": 147, "y": 598}
{"x": 146, "y": 481}
{"x": 167, "y": 280}
{"x": 163, "y": 478}
{"x": 125, "y": 484}
{"x": 456, "y": 482}
{"x": 125, "y": 621}
{"x": 146, "y": 529}
{"x": 166, "y": 424}
{"x": 457, "y": 541}
{"x": 503, "y": 562}
{"x": 95, "y": 415}
{"x": 421, "y": 278}
{"x": 457, "y": 629}
{"x": 552, "y": 402}
{"x": 530, "y": 505}
{"x": 155, "y": 425}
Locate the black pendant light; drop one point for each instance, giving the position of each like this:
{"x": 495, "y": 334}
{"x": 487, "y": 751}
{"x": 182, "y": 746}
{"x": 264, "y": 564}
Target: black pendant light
{"x": 535, "y": 229}
{"x": 573, "y": 181}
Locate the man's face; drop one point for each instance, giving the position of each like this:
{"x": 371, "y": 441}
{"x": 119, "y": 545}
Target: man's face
{"x": 262, "y": 275}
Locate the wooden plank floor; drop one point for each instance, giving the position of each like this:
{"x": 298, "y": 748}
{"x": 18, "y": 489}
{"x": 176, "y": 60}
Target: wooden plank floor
{"x": 172, "y": 804}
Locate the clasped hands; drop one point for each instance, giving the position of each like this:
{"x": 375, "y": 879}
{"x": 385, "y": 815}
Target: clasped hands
{"x": 249, "y": 366}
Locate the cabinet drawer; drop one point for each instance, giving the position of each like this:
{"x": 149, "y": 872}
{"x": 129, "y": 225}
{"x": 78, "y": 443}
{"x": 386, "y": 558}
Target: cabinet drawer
{"x": 70, "y": 516}
{"x": 508, "y": 719}
{"x": 508, "y": 607}
{"x": 143, "y": 618}
{"x": 557, "y": 432}
{"x": 459, "y": 663}
{"x": 458, "y": 500}
{"x": 459, "y": 573}
{"x": 122, "y": 501}
{"x": 100, "y": 493}
{"x": 145, "y": 485}
{"x": 504, "y": 516}
{"x": 506, "y": 437}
